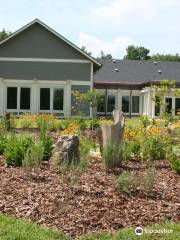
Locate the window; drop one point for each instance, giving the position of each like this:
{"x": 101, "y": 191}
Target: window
{"x": 135, "y": 104}
{"x": 45, "y": 99}
{"x": 101, "y": 104}
{"x": 111, "y": 103}
{"x": 125, "y": 104}
{"x": 51, "y": 99}
{"x": 168, "y": 102}
{"x": 177, "y": 106}
{"x": 157, "y": 106}
{"x": 25, "y": 97}
{"x": 12, "y": 98}
{"x": 58, "y": 96}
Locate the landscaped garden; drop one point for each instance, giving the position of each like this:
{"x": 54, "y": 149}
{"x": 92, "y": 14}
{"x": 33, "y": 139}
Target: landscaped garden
{"x": 88, "y": 199}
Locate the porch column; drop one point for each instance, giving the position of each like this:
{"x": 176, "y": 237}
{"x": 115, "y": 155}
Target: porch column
{"x": 119, "y": 100}
{"x": 67, "y": 104}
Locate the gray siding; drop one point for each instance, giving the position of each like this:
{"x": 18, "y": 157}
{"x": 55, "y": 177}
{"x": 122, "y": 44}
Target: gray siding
{"x": 45, "y": 71}
{"x": 37, "y": 42}
{"x": 76, "y": 109}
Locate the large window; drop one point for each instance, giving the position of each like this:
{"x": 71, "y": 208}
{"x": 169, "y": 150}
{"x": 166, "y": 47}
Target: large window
{"x": 58, "y": 98}
{"x": 135, "y": 104}
{"x": 101, "y": 104}
{"x": 45, "y": 99}
{"x": 51, "y": 99}
{"x": 12, "y": 98}
{"x": 18, "y": 99}
{"x": 125, "y": 104}
{"x": 177, "y": 106}
{"x": 25, "y": 97}
{"x": 168, "y": 102}
{"x": 111, "y": 103}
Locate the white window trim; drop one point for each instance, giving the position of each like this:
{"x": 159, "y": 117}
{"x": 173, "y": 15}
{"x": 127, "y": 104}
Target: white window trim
{"x": 51, "y": 99}
{"x": 18, "y": 110}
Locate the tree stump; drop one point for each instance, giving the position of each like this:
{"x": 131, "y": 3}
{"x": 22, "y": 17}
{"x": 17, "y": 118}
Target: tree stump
{"x": 110, "y": 140}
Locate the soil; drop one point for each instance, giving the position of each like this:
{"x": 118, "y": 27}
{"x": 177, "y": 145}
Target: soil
{"x": 94, "y": 203}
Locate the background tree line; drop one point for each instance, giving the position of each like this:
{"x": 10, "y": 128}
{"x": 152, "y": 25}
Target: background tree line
{"x": 132, "y": 52}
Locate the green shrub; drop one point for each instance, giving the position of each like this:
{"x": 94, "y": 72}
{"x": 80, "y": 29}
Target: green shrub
{"x": 173, "y": 160}
{"x": 3, "y": 140}
{"x": 33, "y": 156}
{"x": 127, "y": 182}
{"x": 112, "y": 156}
{"x": 131, "y": 149}
{"x": 144, "y": 121}
{"x": 25, "y": 123}
{"x": 149, "y": 179}
{"x": 86, "y": 145}
{"x": 15, "y": 149}
{"x": 153, "y": 147}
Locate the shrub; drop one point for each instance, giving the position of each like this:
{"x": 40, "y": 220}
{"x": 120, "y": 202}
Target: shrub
{"x": 149, "y": 179}
{"x": 112, "y": 156}
{"x": 127, "y": 182}
{"x": 130, "y": 149}
{"x": 153, "y": 147}
{"x": 2, "y": 143}
{"x": 144, "y": 121}
{"x": 33, "y": 156}
{"x": 173, "y": 160}
{"x": 15, "y": 149}
{"x": 86, "y": 145}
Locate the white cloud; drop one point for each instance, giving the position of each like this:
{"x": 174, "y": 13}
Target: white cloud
{"x": 116, "y": 46}
{"x": 121, "y": 11}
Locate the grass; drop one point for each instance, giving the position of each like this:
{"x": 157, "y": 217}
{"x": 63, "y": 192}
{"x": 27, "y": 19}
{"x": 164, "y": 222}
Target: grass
{"x": 13, "y": 229}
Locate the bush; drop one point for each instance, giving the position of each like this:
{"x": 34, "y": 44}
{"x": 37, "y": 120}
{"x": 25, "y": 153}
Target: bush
{"x": 153, "y": 147}
{"x": 131, "y": 149}
{"x": 127, "y": 182}
{"x": 15, "y": 149}
{"x": 144, "y": 121}
{"x": 2, "y": 143}
{"x": 173, "y": 160}
{"x": 86, "y": 145}
{"x": 33, "y": 156}
{"x": 149, "y": 179}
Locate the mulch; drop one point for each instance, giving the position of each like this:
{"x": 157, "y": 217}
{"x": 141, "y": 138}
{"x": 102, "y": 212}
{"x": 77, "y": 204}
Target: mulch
{"x": 94, "y": 204}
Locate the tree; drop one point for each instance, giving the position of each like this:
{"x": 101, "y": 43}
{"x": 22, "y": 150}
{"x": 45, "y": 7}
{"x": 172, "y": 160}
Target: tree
{"x": 4, "y": 34}
{"x": 166, "y": 57}
{"x": 84, "y": 49}
{"x": 105, "y": 56}
{"x": 137, "y": 53}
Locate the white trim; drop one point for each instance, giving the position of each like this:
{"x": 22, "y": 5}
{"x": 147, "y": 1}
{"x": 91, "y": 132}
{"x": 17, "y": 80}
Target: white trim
{"x": 53, "y": 60}
{"x": 53, "y": 32}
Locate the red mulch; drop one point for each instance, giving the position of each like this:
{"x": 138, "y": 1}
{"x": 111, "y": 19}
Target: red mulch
{"x": 92, "y": 205}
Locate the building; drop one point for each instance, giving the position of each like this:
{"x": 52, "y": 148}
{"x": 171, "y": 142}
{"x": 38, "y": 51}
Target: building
{"x": 39, "y": 70}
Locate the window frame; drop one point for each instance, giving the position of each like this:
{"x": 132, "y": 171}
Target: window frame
{"x": 18, "y": 110}
{"x": 130, "y": 102}
{"x": 51, "y": 110}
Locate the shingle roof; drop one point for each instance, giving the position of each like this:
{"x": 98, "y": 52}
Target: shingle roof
{"x": 132, "y": 72}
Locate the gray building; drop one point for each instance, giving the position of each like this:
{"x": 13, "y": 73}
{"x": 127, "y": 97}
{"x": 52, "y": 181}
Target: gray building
{"x": 39, "y": 70}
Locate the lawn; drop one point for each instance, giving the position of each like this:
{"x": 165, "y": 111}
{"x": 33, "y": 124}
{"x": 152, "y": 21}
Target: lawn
{"x": 13, "y": 229}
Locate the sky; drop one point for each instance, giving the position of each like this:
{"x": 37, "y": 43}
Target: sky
{"x": 108, "y": 25}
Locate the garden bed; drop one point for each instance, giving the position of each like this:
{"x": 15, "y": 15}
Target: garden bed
{"x": 94, "y": 204}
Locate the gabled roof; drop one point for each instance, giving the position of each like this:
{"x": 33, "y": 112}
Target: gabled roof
{"x": 132, "y": 72}
{"x": 56, "y": 34}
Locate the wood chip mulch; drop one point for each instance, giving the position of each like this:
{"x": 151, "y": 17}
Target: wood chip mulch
{"x": 92, "y": 205}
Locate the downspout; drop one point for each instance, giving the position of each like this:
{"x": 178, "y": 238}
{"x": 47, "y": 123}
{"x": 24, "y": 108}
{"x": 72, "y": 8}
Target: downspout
{"x": 130, "y": 101}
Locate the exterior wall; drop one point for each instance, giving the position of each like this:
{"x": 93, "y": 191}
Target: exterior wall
{"x": 76, "y": 109}
{"x": 38, "y": 42}
{"x": 35, "y": 86}
{"x": 45, "y": 70}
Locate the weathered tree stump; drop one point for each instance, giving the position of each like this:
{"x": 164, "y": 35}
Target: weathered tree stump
{"x": 111, "y": 139}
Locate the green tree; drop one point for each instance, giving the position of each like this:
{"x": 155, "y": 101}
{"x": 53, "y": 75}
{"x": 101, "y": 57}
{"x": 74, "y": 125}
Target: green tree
{"x": 105, "y": 56}
{"x": 84, "y": 49}
{"x": 136, "y": 53}
{"x": 4, "y": 34}
{"x": 166, "y": 57}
